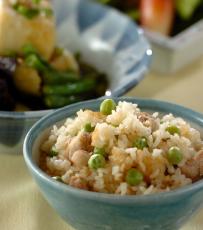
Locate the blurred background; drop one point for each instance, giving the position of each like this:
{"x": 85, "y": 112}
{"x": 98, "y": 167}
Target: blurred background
{"x": 174, "y": 28}
{"x": 175, "y": 31}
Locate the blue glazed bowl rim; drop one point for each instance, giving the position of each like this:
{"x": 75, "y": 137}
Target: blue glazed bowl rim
{"x": 182, "y": 111}
{"x": 24, "y": 115}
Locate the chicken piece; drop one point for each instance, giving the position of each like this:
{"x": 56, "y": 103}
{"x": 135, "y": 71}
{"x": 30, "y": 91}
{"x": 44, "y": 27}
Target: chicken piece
{"x": 120, "y": 158}
{"x": 81, "y": 142}
{"x": 200, "y": 159}
{"x": 193, "y": 168}
{"x": 17, "y": 30}
{"x": 148, "y": 120}
{"x": 27, "y": 80}
{"x": 80, "y": 158}
{"x": 78, "y": 183}
{"x": 64, "y": 61}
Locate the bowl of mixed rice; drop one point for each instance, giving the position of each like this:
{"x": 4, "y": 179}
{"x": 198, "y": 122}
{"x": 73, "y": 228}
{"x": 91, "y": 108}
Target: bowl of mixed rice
{"x": 120, "y": 163}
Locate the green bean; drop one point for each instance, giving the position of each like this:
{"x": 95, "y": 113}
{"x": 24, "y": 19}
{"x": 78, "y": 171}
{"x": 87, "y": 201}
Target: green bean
{"x": 55, "y": 101}
{"x": 25, "y": 11}
{"x": 49, "y": 74}
{"x": 36, "y": 1}
{"x": 54, "y": 77}
{"x": 35, "y": 62}
{"x": 70, "y": 88}
{"x": 29, "y": 49}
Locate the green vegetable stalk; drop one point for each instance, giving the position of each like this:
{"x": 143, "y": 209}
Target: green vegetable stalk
{"x": 49, "y": 74}
{"x": 56, "y": 101}
{"x": 186, "y": 8}
{"x": 70, "y": 88}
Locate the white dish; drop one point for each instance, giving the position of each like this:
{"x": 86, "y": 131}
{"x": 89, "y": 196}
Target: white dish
{"x": 173, "y": 54}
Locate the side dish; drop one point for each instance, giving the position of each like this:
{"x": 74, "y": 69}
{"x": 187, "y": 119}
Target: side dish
{"x": 36, "y": 73}
{"x": 123, "y": 150}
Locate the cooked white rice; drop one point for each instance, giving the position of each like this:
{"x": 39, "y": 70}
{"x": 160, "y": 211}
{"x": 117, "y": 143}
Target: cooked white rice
{"x": 115, "y": 133}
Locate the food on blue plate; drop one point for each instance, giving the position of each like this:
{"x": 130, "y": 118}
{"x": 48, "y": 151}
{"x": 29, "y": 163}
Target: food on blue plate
{"x": 36, "y": 73}
{"x": 168, "y": 17}
{"x": 121, "y": 149}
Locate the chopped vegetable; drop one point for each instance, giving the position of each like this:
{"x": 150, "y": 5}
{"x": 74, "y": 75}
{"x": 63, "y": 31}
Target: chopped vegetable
{"x": 36, "y": 1}
{"x": 88, "y": 128}
{"x": 7, "y": 90}
{"x": 107, "y": 106}
{"x": 140, "y": 143}
{"x": 53, "y": 152}
{"x": 186, "y": 8}
{"x": 27, "y": 80}
{"x": 100, "y": 151}
{"x": 70, "y": 88}
{"x": 35, "y": 62}
{"x": 29, "y": 49}
{"x": 174, "y": 155}
{"x": 96, "y": 161}
{"x": 57, "y": 101}
{"x": 134, "y": 177}
{"x": 25, "y": 11}
{"x": 173, "y": 130}
{"x": 50, "y": 75}
{"x": 6, "y": 97}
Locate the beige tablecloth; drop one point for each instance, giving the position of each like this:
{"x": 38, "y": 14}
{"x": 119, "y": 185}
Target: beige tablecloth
{"x": 21, "y": 205}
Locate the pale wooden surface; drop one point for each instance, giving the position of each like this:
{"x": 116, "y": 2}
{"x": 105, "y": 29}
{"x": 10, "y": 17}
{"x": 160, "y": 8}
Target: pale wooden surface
{"x": 21, "y": 205}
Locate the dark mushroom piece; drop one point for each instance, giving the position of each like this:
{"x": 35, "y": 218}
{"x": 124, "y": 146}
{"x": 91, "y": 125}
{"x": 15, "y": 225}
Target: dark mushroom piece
{"x": 7, "y": 68}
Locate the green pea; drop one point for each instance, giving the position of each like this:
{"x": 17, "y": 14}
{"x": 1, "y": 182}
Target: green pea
{"x": 173, "y": 130}
{"x": 174, "y": 155}
{"x": 100, "y": 151}
{"x": 96, "y": 161}
{"x": 53, "y": 152}
{"x": 88, "y": 128}
{"x": 140, "y": 143}
{"x": 107, "y": 106}
{"x": 134, "y": 177}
